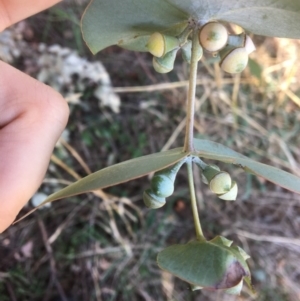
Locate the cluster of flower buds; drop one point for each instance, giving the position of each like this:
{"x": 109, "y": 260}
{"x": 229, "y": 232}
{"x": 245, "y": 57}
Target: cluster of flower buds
{"x": 164, "y": 49}
{"x": 162, "y": 183}
{"x": 162, "y": 186}
{"x": 233, "y": 49}
{"x": 220, "y": 183}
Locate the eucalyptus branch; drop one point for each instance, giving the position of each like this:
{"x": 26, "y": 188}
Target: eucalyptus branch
{"x": 189, "y": 134}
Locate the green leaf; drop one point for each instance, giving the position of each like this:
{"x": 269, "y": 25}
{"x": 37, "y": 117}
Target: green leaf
{"x": 215, "y": 151}
{"x": 204, "y": 264}
{"x": 118, "y": 173}
{"x": 280, "y": 18}
{"x": 126, "y": 22}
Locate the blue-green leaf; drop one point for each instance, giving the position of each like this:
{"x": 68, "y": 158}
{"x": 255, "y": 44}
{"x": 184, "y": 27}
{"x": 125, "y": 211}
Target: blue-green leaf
{"x": 205, "y": 264}
{"x": 215, "y": 151}
{"x": 118, "y": 173}
{"x": 280, "y": 18}
{"x": 126, "y": 22}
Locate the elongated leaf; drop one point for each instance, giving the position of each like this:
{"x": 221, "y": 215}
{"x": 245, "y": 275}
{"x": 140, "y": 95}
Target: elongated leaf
{"x": 119, "y": 173}
{"x": 212, "y": 150}
{"x": 116, "y": 22}
{"x": 280, "y": 18}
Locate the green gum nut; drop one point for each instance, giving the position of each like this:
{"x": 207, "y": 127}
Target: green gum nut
{"x": 186, "y": 51}
{"x": 151, "y": 200}
{"x": 234, "y": 60}
{"x": 220, "y": 183}
{"x": 162, "y": 185}
{"x": 165, "y": 63}
{"x": 231, "y": 194}
{"x": 213, "y": 36}
{"x": 160, "y": 44}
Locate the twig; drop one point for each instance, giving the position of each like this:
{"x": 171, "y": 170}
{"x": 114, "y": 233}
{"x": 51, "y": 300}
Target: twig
{"x": 61, "y": 227}
{"x": 165, "y": 86}
{"x": 174, "y": 136}
{"x": 75, "y": 154}
{"x": 269, "y": 238}
{"x": 52, "y": 261}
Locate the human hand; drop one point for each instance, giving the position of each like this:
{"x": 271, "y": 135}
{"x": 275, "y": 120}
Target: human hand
{"x": 32, "y": 117}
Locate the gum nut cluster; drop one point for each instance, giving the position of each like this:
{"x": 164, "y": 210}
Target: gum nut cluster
{"x": 220, "y": 183}
{"x": 214, "y": 37}
{"x": 164, "y": 49}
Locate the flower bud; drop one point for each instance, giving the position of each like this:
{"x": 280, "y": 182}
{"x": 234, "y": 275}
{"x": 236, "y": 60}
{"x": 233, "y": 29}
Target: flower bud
{"x": 234, "y": 60}
{"x": 213, "y": 36}
{"x": 220, "y": 183}
{"x": 162, "y": 183}
{"x": 165, "y": 63}
{"x": 159, "y": 44}
{"x": 151, "y": 200}
{"x": 162, "y": 186}
{"x": 231, "y": 194}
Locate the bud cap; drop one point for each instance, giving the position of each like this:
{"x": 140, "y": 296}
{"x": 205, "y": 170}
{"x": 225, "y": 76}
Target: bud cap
{"x": 220, "y": 183}
{"x": 231, "y": 194}
{"x": 153, "y": 201}
{"x": 213, "y": 36}
{"x": 234, "y": 61}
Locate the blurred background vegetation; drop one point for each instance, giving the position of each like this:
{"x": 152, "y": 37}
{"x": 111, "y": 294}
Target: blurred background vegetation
{"x": 103, "y": 245}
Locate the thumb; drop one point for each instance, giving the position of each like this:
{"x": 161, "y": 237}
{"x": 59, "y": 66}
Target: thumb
{"x": 32, "y": 117}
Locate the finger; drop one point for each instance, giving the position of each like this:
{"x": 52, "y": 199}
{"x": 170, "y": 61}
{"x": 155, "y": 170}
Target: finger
{"x": 32, "y": 117}
{"x": 12, "y": 11}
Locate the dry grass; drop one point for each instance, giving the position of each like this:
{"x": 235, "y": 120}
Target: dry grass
{"x": 102, "y": 246}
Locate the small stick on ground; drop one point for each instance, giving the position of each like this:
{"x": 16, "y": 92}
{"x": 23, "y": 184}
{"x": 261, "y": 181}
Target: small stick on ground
{"x": 52, "y": 261}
